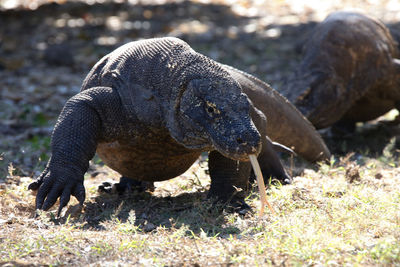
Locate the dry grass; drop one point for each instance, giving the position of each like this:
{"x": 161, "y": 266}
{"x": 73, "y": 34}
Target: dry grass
{"x": 326, "y": 217}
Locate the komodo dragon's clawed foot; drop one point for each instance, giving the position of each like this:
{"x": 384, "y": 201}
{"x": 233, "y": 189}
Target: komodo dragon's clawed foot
{"x": 125, "y": 185}
{"x": 283, "y": 178}
{"x": 237, "y": 205}
{"x": 233, "y": 205}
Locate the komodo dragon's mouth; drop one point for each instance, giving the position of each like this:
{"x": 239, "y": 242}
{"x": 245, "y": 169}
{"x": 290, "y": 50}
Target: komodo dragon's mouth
{"x": 243, "y": 156}
{"x": 237, "y": 148}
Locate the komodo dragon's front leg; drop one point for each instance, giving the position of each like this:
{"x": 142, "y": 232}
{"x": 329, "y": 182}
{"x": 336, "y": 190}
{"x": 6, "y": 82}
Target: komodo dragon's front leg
{"x": 229, "y": 180}
{"x": 74, "y": 142}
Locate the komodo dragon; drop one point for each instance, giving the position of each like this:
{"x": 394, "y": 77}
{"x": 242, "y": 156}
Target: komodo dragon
{"x": 151, "y": 107}
{"x": 349, "y": 72}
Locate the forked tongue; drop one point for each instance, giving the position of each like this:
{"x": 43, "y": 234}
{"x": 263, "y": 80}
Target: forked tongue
{"x": 261, "y": 185}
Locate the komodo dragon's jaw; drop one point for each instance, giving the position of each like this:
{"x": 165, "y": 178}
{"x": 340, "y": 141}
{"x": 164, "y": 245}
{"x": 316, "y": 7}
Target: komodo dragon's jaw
{"x": 239, "y": 148}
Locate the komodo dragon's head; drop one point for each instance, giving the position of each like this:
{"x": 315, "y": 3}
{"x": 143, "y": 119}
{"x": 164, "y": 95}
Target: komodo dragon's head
{"x": 216, "y": 114}
{"x": 319, "y": 96}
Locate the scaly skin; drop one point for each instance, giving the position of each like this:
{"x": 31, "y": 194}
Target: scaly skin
{"x": 349, "y": 72}
{"x": 149, "y": 109}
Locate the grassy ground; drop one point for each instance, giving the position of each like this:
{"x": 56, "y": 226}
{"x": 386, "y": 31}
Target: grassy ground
{"x": 342, "y": 214}
{"x": 345, "y": 213}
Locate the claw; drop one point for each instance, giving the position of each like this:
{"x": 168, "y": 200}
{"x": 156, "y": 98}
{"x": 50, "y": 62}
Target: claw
{"x": 79, "y": 193}
{"x": 64, "y": 199}
{"x": 37, "y": 213}
{"x": 59, "y": 211}
{"x": 46, "y": 204}
{"x": 105, "y": 187}
{"x": 38, "y": 182}
{"x": 287, "y": 181}
{"x": 34, "y": 186}
{"x": 41, "y": 195}
{"x": 53, "y": 195}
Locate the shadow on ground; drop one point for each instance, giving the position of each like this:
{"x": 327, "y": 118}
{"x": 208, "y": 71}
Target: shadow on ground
{"x": 379, "y": 140}
{"x": 147, "y": 211}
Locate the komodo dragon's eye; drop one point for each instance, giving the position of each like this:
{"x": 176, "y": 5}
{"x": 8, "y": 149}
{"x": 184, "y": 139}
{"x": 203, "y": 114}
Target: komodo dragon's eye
{"x": 211, "y": 109}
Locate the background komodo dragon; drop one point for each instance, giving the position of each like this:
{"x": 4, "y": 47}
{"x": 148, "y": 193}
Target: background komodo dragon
{"x": 349, "y": 72}
{"x": 151, "y": 107}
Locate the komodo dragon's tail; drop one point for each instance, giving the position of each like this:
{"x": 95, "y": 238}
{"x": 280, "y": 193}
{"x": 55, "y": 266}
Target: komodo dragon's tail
{"x": 286, "y": 124}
